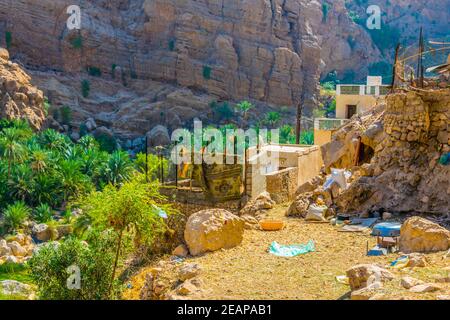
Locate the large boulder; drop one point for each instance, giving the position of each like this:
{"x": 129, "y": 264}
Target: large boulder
{"x": 421, "y": 235}
{"x": 42, "y": 232}
{"x": 158, "y": 136}
{"x": 16, "y": 289}
{"x": 364, "y": 275}
{"x": 17, "y": 249}
{"x": 258, "y": 206}
{"x": 5, "y": 250}
{"x": 213, "y": 229}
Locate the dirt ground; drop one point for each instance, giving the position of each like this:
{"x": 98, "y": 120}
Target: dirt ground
{"x": 250, "y": 272}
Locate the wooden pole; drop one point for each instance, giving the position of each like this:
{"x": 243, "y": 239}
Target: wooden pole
{"x": 394, "y": 69}
{"x": 146, "y": 158}
{"x": 298, "y": 128}
{"x": 419, "y": 60}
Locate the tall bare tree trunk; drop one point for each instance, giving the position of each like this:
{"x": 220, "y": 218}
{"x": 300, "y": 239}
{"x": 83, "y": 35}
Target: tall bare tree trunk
{"x": 116, "y": 260}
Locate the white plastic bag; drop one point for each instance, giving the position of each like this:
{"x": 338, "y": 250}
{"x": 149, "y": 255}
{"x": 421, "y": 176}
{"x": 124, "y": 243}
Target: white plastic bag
{"x": 316, "y": 213}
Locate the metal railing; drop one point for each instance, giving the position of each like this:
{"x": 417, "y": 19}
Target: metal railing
{"x": 362, "y": 90}
{"x": 329, "y": 124}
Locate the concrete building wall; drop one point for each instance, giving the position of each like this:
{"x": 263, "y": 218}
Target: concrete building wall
{"x": 363, "y": 104}
{"x": 309, "y": 164}
{"x": 322, "y": 137}
{"x": 296, "y": 168}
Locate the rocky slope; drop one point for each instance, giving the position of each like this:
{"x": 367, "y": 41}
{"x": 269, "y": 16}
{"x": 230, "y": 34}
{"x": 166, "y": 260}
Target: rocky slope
{"x": 403, "y": 145}
{"x": 164, "y": 61}
{"x": 18, "y": 98}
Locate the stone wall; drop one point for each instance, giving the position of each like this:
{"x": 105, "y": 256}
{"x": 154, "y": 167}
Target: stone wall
{"x": 405, "y": 174}
{"x": 282, "y": 184}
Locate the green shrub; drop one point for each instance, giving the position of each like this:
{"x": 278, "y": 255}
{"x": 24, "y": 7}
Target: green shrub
{"x": 77, "y": 42}
{"x": 16, "y": 214}
{"x": 85, "y": 88}
{"x": 8, "y": 39}
{"x": 66, "y": 115}
{"x": 207, "y": 72}
{"x": 43, "y": 213}
{"x": 83, "y": 131}
{"x": 329, "y": 86}
{"x": 107, "y": 143}
{"x": 49, "y": 268}
{"x": 307, "y": 137}
{"x": 113, "y": 70}
{"x": 222, "y": 111}
{"x": 94, "y": 71}
{"x": 172, "y": 45}
{"x": 325, "y": 10}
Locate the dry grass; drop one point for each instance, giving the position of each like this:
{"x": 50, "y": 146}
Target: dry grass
{"x": 250, "y": 272}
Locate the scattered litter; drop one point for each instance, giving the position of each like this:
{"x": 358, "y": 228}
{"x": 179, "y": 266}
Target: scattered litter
{"x": 339, "y": 176}
{"x": 400, "y": 262}
{"x": 316, "y": 213}
{"x": 342, "y": 279}
{"x": 291, "y": 250}
{"x": 445, "y": 159}
{"x": 176, "y": 259}
{"x": 350, "y": 228}
{"x": 377, "y": 251}
{"x": 161, "y": 212}
{"x": 368, "y": 223}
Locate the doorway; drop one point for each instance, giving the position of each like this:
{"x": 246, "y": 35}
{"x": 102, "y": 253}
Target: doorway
{"x": 351, "y": 111}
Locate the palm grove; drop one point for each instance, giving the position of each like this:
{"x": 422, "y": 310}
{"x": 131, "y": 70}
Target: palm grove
{"x": 45, "y": 177}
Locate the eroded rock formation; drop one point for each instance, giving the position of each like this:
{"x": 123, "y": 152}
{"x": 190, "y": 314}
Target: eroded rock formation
{"x": 18, "y": 98}
{"x": 164, "y": 61}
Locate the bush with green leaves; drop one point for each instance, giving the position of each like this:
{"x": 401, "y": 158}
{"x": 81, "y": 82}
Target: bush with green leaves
{"x": 94, "y": 71}
{"x": 85, "y": 88}
{"x": 50, "y": 268}
{"x": 77, "y": 42}
{"x": 153, "y": 167}
{"x": 207, "y": 72}
{"x": 43, "y": 213}
{"x": 15, "y": 215}
{"x": 222, "y": 111}
{"x": 133, "y": 210}
{"x": 66, "y": 115}
{"x": 8, "y": 39}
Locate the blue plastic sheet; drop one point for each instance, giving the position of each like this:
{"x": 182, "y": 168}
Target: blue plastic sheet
{"x": 291, "y": 250}
{"x": 445, "y": 159}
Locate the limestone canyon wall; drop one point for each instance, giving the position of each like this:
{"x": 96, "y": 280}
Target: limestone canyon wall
{"x": 164, "y": 61}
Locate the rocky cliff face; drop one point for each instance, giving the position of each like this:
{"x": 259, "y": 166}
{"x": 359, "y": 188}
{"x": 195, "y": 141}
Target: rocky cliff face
{"x": 18, "y": 98}
{"x": 270, "y": 51}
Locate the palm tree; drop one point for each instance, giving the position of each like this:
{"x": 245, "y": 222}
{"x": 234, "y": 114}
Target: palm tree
{"x": 46, "y": 190}
{"x": 72, "y": 181}
{"x": 20, "y": 184}
{"x": 88, "y": 142}
{"x": 39, "y": 160}
{"x": 10, "y": 146}
{"x": 273, "y": 118}
{"x": 54, "y": 140}
{"x": 245, "y": 107}
{"x": 119, "y": 168}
